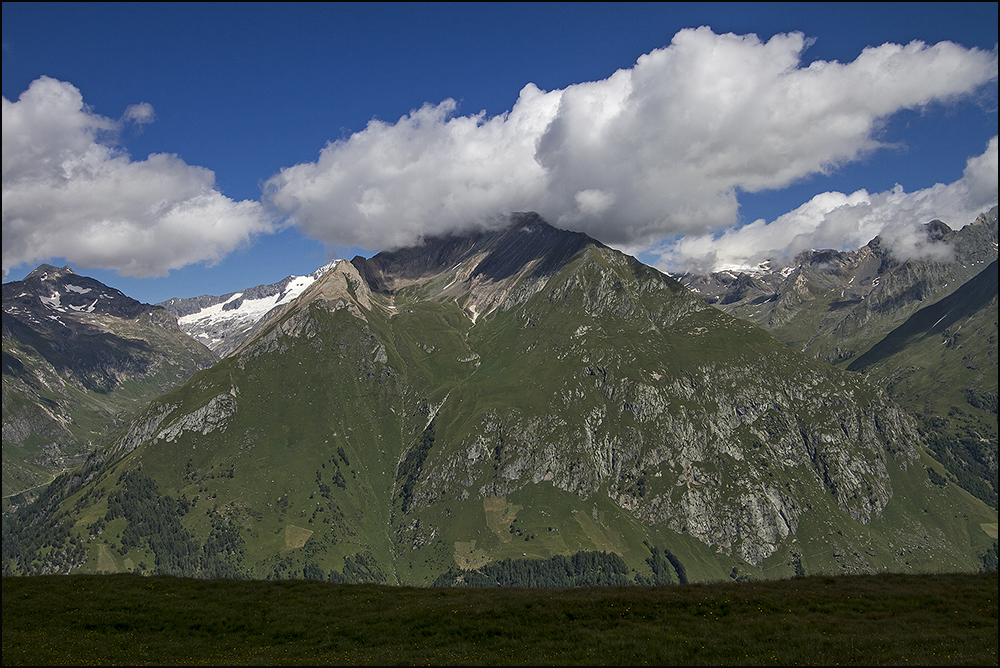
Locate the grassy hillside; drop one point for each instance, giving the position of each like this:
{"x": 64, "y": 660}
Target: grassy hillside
{"x": 856, "y": 620}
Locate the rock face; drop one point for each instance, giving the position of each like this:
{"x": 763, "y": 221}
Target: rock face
{"x": 529, "y": 392}
{"x": 76, "y": 356}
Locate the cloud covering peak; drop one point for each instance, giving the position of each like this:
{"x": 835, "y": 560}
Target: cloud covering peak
{"x": 657, "y": 150}
{"x": 69, "y": 191}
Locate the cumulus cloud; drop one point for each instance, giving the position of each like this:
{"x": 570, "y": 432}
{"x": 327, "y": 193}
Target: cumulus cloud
{"x": 428, "y": 173}
{"x": 70, "y": 192}
{"x": 657, "y": 150}
{"x": 840, "y": 221}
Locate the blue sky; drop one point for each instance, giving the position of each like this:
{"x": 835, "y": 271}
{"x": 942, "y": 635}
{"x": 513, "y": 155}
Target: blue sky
{"x": 152, "y": 131}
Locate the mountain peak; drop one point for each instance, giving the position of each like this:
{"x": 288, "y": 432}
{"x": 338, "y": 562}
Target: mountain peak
{"x": 62, "y": 290}
{"x": 500, "y": 253}
{"x": 988, "y": 219}
{"x": 936, "y": 230}
{"x": 47, "y": 271}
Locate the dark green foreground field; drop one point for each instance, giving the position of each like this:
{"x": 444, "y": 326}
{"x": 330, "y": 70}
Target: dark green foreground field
{"x": 865, "y": 620}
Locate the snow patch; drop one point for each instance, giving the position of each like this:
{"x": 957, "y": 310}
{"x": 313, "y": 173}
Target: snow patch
{"x": 53, "y": 302}
{"x": 84, "y": 309}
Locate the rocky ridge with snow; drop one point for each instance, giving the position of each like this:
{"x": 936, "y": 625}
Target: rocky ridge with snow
{"x": 834, "y": 305}
{"x": 222, "y": 323}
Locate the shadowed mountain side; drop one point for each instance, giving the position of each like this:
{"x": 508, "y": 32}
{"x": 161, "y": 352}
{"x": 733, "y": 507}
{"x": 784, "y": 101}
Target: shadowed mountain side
{"x": 93, "y": 356}
{"x": 391, "y": 270}
{"x": 934, "y": 319}
{"x": 528, "y": 239}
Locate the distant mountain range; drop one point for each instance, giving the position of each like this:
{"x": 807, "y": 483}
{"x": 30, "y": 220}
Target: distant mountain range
{"x": 500, "y": 398}
{"x": 834, "y": 305}
{"x": 223, "y": 323}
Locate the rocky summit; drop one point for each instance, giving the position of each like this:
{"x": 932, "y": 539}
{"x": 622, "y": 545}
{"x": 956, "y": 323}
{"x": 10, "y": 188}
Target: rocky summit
{"x": 487, "y": 403}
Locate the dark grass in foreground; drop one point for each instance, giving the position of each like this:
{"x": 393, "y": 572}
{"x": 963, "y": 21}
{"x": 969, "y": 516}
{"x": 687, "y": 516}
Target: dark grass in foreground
{"x": 127, "y": 619}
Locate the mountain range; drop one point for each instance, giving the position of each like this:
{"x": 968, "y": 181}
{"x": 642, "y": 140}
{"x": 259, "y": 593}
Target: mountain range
{"x": 505, "y": 399}
{"x": 834, "y": 305}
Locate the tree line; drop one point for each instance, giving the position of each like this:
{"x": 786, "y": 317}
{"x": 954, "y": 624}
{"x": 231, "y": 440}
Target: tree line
{"x": 583, "y": 569}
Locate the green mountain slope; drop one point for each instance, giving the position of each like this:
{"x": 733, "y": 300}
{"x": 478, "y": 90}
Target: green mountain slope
{"x": 512, "y": 395}
{"x": 941, "y": 365}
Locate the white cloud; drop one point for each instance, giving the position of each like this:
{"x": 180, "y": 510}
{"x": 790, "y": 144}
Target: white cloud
{"x": 140, "y": 114}
{"x": 427, "y": 174}
{"x": 656, "y": 150}
{"x": 843, "y": 222}
{"x": 69, "y": 192}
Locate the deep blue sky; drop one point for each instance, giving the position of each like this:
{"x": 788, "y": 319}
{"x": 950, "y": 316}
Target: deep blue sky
{"x": 247, "y": 89}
